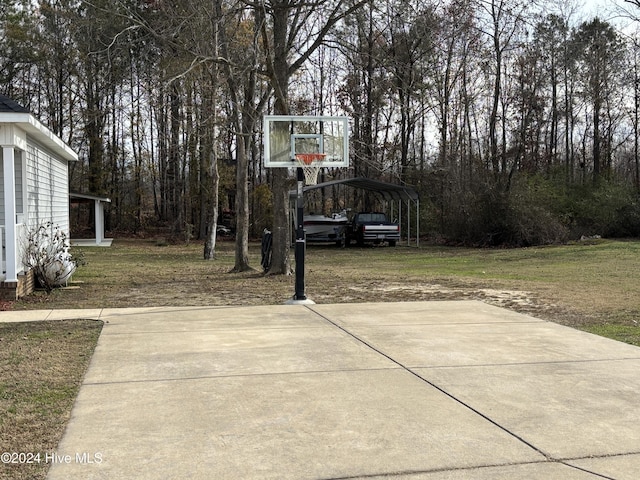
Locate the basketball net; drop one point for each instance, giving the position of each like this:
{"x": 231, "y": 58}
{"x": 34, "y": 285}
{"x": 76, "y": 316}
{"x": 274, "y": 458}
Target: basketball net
{"x": 311, "y": 163}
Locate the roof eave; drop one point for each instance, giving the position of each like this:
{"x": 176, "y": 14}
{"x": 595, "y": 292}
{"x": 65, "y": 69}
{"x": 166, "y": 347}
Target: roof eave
{"x": 42, "y": 134}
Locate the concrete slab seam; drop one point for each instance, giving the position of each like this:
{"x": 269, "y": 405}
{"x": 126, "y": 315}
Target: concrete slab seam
{"x": 448, "y": 324}
{"x": 440, "y": 389}
{"x": 425, "y": 472}
{"x": 128, "y": 311}
{"x": 239, "y": 375}
{"x": 517, "y": 364}
{"x": 212, "y": 329}
{"x": 567, "y": 461}
{"x": 405, "y": 473}
{"x": 591, "y": 457}
{"x": 575, "y": 467}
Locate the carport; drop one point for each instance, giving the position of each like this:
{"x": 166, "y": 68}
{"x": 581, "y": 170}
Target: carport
{"x": 98, "y": 216}
{"x": 397, "y": 196}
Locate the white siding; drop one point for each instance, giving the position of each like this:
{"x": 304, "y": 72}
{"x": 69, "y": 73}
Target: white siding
{"x": 48, "y": 188}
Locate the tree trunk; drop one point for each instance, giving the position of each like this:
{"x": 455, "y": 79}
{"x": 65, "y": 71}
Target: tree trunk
{"x": 212, "y": 86}
{"x": 242, "y": 207}
{"x": 212, "y": 224}
{"x": 243, "y": 117}
{"x": 596, "y": 139}
{"x": 280, "y": 264}
{"x": 495, "y": 102}
{"x": 174, "y": 180}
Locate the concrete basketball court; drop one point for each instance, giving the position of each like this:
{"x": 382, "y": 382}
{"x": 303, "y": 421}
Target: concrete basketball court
{"x": 425, "y": 390}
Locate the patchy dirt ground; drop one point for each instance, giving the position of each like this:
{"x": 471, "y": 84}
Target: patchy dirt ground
{"x": 422, "y": 291}
{"x": 254, "y": 288}
{"x": 526, "y": 302}
{"x": 135, "y": 274}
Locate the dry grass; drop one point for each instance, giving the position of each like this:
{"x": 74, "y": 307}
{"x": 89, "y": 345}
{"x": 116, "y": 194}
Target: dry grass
{"x": 41, "y": 368}
{"x": 578, "y": 284}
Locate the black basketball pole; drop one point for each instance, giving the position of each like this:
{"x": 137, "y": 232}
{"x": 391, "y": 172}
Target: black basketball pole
{"x": 300, "y": 240}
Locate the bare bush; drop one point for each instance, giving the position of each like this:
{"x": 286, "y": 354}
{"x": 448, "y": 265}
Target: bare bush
{"x": 47, "y": 253}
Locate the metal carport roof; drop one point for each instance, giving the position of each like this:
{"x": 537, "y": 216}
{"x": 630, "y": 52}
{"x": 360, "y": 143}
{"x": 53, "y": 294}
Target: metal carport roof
{"x": 388, "y": 191}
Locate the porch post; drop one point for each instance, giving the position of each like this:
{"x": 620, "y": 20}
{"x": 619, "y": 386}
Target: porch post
{"x": 11, "y": 250}
{"x": 99, "y": 216}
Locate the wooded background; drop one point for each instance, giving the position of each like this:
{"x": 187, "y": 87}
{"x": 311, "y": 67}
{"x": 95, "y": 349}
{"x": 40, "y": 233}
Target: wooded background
{"x": 517, "y": 121}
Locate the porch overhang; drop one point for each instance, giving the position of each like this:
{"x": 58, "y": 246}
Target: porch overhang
{"x": 98, "y": 205}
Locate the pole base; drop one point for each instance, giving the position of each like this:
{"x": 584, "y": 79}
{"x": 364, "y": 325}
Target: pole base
{"x": 294, "y": 301}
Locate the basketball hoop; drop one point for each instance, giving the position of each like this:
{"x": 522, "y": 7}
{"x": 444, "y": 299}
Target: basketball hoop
{"x": 311, "y": 163}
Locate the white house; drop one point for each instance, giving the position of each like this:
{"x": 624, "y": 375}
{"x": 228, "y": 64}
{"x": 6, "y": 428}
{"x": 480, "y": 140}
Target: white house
{"x": 34, "y": 188}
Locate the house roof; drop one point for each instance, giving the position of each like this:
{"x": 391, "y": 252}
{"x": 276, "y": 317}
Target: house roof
{"x": 12, "y": 112}
{"x": 8, "y": 105}
{"x": 388, "y": 191}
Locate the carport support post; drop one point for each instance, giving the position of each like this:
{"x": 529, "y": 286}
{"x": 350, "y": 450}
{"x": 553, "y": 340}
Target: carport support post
{"x": 300, "y": 242}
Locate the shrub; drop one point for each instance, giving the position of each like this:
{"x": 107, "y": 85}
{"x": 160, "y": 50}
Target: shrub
{"x": 47, "y": 253}
{"x": 488, "y": 214}
{"x": 530, "y": 210}
{"x": 608, "y": 209}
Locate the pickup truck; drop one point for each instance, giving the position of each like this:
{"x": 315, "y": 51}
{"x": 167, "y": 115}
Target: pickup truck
{"x": 372, "y": 227}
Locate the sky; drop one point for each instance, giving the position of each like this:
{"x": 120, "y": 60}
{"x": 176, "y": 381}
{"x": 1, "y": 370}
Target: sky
{"x": 596, "y": 5}
{"x": 602, "y": 8}
{"x": 585, "y": 8}
{"x": 610, "y": 10}
{"x": 607, "y": 8}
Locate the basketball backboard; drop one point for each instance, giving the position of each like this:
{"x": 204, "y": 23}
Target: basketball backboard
{"x": 288, "y": 135}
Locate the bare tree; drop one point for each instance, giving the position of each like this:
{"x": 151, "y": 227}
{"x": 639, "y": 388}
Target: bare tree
{"x": 412, "y": 35}
{"x": 240, "y": 58}
{"x": 291, "y": 32}
{"x": 505, "y": 21}
{"x": 451, "y": 61}
{"x": 631, "y": 9}
{"x": 599, "y": 51}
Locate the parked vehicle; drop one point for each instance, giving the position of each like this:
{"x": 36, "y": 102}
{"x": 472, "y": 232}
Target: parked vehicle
{"x": 223, "y": 231}
{"x": 372, "y": 227}
{"x": 321, "y": 228}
